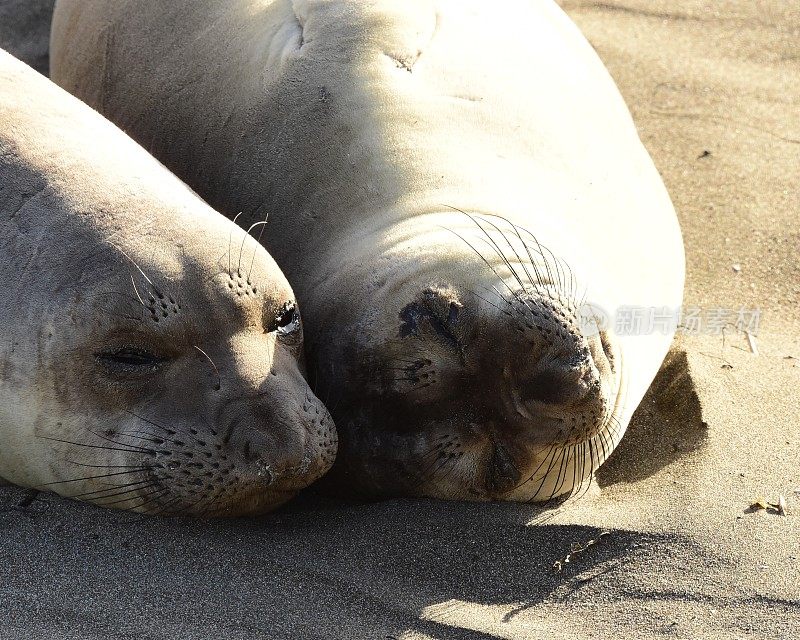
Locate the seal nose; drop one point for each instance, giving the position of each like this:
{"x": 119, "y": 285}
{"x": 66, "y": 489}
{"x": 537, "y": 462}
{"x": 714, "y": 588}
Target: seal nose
{"x": 503, "y": 474}
{"x": 563, "y": 389}
{"x": 561, "y": 382}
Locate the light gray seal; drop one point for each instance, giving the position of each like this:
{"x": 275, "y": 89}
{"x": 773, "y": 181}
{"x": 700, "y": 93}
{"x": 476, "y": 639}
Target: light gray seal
{"x": 150, "y": 350}
{"x": 458, "y": 195}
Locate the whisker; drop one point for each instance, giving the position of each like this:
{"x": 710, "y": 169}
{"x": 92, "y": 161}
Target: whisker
{"x": 122, "y": 444}
{"x": 141, "y": 484}
{"x": 244, "y": 241}
{"x": 169, "y": 432}
{"x": 94, "y": 446}
{"x": 148, "y": 498}
{"x": 136, "y": 290}
{"x": 128, "y": 499}
{"x": 230, "y": 244}
{"x": 133, "y": 262}
{"x": 219, "y": 379}
{"x": 533, "y": 284}
{"x": 260, "y": 234}
{"x": 488, "y": 264}
{"x": 105, "y": 475}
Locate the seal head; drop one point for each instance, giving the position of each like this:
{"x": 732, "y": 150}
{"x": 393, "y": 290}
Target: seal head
{"x": 152, "y": 354}
{"x": 493, "y": 380}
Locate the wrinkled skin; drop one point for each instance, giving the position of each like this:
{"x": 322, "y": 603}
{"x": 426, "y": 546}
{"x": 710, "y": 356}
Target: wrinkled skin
{"x": 151, "y": 355}
{"x": 455, "y": 190}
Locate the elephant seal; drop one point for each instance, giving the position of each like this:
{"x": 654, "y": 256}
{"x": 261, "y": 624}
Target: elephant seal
{"x": 456, "y": 191}
{"x": 150, "y": 356}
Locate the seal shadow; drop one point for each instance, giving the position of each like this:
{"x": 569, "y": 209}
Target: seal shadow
{"x": 25, "y": 31}
{"x": 315, "y": 569}
{"x": 667, "y": 426}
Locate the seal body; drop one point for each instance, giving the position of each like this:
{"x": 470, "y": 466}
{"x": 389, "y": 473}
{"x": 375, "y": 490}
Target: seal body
{"x": 456, "y": 191}
{"x": 25, "y": 31}
{"x": 150, "y": 354}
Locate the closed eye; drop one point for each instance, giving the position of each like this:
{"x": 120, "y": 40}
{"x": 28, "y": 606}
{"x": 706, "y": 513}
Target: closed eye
{"x": 130, "y": 360}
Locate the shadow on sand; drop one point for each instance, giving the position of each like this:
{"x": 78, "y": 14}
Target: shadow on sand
{"x": 299, "y": 573}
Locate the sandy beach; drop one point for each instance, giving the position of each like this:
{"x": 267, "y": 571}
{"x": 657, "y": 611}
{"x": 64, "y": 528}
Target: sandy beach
{"x": 666, "y": 545}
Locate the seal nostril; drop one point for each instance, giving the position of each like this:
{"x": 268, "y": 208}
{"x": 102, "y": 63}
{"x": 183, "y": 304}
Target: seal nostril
{"x": 503, "y": 474}
{"x": 452, "y": 316}
{"x": 557, "y": 385}
{"x": 543, "y": 387}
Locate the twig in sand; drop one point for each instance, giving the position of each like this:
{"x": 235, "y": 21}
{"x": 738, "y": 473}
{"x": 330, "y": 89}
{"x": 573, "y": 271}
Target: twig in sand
{"x": 751, "y": 340}
{"x": 576, "y": 549}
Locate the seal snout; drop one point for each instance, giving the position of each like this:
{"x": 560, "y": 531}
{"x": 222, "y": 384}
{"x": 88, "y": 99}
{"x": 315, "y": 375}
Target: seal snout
{"x": 559, "y": 387}
{"x": 564, "y": 398}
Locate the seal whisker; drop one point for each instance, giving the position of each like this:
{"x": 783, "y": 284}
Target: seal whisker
{"x": 551, "y": 451}
{"x": 488, "y": 264}
{"x": 332, "y": 409}
{"x": 535, "y": 285}
{"x": 562, "y": 470}
{"x": 164, "y": 506}
{"x": 230, "y": 244}
{"x": 545, "y": 262}
{"x": 214, "y": 499}
{"x": 244, "y": 241}
{"x": 136, "y": 290}
{"x": 578, "y": 465}
{"x": 123, "y": 444}
{"x": 604, "y": 442}
{"x": 586, "y": 480}
{"x": 121, "y": 315}
{"x": 432, "y": 470}
{"x": 552, "y": 457}
{"x": 216, "y": 370}
{"x": 491, "y": 241}
{"x": 427, "y": 473}
{"x": 141, "y": 484}
{"x": 104, "y": 475}
{"x": 147, "y": 436}
{"x": 520, "y": 260}
{"x": 530, "y": 256}
{"x": 94, "y": 446}
{"x": 150, "y": 422}
{"x": 102, "y": 466}
{"x": 263, "y": 224}
{"x": 570, "y": 290}
{"x": 148, "y": 499}
{"x": 489, "y": 302}
{"x": 147, "y": 496}
{"x": 133, "y": 262}
{"x": 121, "y": 294}
{"x": 191, "y": 505}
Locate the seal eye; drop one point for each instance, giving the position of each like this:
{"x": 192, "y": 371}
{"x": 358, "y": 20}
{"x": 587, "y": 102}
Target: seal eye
{"x": 287, "y": 322}
{"x": 130, "y": 360}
